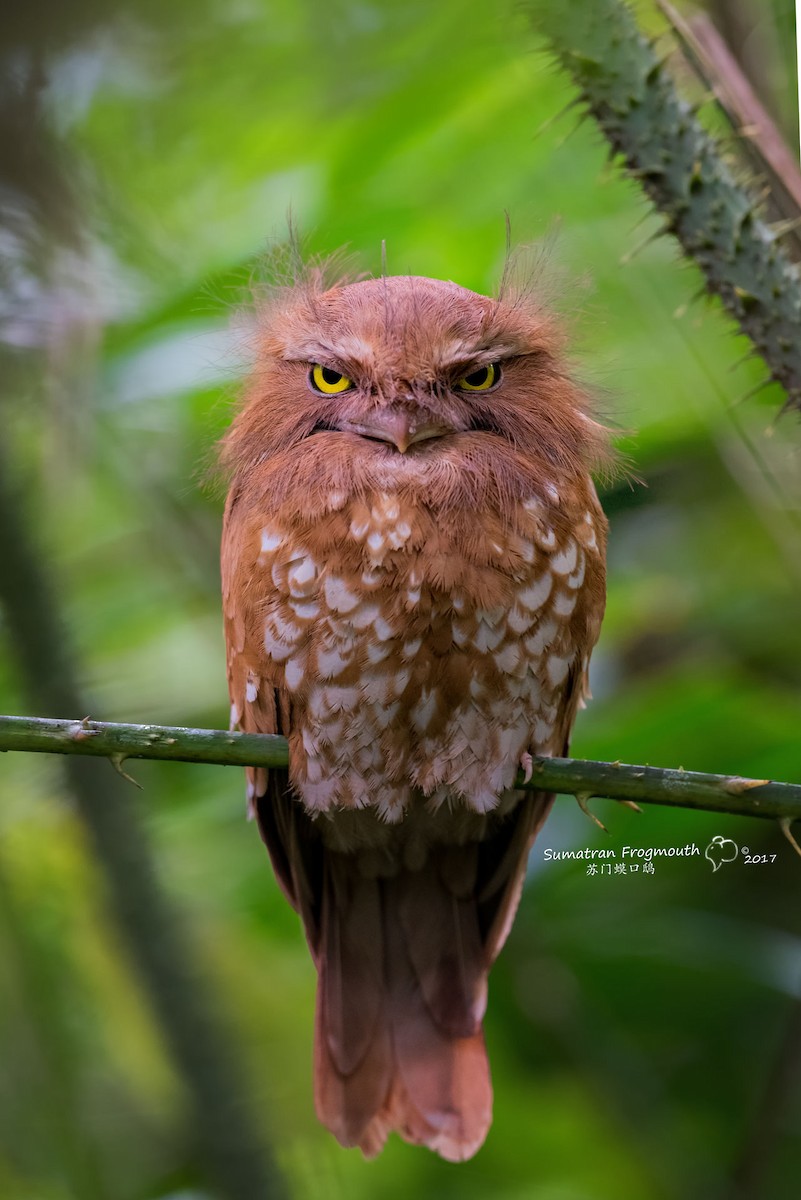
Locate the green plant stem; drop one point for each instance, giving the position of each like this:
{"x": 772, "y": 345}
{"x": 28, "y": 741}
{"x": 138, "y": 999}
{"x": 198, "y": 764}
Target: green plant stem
{"x": 625, "y": 86}
{"x": 572, "y": 776}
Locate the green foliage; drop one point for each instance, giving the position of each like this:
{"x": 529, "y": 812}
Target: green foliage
{"x": 633, "y": 1020}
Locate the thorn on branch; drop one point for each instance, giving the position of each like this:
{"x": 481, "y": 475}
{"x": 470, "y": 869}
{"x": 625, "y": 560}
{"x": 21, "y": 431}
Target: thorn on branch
{"x": 82, "y": 732}
{"x": 785, "y": 824}
{"x": 583, "y": 801}
{"x": 736, "y": 785}
{"x": 630, "y": 255}
{"x": 116, "y": 761}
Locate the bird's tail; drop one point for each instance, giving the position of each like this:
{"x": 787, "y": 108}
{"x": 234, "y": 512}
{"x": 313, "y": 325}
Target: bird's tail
{"x": 403, "y": 960}
{"x": 401, "y": 996}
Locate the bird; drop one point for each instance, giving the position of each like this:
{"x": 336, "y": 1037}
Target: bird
{"x": 413, "y": 572}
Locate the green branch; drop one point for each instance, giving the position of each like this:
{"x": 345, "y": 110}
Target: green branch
{"x": 625, "y": 86}
{"x": 616, "y": 781}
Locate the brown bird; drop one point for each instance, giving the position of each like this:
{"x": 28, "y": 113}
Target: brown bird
{"x": 413, "y": 577}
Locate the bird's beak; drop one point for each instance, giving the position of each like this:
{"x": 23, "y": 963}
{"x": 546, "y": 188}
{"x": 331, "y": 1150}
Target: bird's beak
{"x": 398, "y": 427}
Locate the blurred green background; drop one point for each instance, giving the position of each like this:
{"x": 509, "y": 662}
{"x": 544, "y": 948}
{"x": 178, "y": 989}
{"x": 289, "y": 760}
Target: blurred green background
{"x": 644, "y": 1030}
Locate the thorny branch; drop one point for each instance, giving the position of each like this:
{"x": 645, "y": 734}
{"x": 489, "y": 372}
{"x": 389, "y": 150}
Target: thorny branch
{"x": 624, "y": 84}
{"x": 584, "y": 779}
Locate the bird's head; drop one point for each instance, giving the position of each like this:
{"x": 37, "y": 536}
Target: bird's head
{"x": 397, "y": 378}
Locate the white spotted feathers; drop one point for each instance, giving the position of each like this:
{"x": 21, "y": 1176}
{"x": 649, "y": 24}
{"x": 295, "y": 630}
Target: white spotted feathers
{"x": 399, "y": 680}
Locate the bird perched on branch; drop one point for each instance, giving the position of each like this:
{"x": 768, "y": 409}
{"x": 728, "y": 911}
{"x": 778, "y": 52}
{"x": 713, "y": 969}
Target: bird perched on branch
{"x": 413, "y": 577}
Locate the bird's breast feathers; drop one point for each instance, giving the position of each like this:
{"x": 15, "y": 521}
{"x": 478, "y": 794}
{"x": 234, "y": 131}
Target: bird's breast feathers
{"x": 410, "y": 649}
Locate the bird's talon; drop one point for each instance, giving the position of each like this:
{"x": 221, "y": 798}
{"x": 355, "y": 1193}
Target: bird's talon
{"x": 527, "y": 763}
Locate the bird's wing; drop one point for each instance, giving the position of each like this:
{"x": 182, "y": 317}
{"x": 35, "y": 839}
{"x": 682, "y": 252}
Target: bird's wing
{"x": 258, "y": 705}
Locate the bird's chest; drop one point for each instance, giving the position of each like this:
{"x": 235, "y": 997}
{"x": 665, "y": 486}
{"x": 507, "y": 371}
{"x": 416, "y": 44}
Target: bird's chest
{"x": 417, "y": 654}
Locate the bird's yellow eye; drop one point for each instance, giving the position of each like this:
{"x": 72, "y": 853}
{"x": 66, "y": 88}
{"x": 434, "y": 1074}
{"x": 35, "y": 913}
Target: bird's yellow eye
{"x": 481, "y": 380}
{"x": 329, "y": 382}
